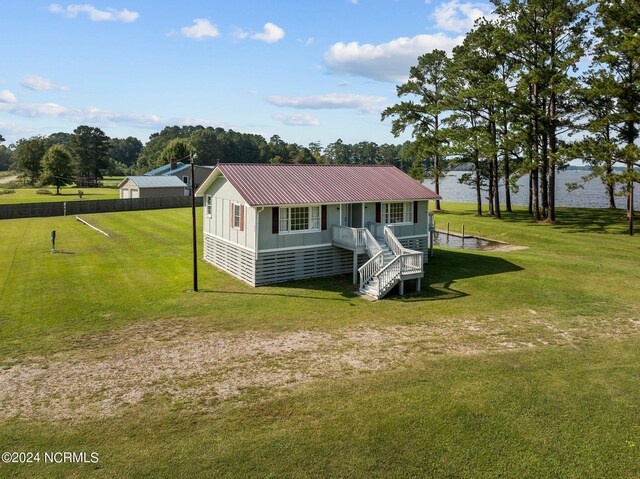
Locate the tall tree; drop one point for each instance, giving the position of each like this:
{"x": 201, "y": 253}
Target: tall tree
{"x": 27, "y": 157}
{"x": 90, "y": 147}
{"x": 57, "y": 167}
{"x": 549, "y": 39}
{"x": 423, "y": 109}
{"x": 618, "y": 50}
{"x": 125, "y": 150}
{"x": 177, "y": 149}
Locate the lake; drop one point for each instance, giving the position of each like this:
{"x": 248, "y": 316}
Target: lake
{"x": 593, "y": 195}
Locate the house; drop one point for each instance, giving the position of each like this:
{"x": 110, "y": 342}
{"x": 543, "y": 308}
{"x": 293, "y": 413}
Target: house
{"x": 152, "y": 187}
{"x": 267, "y": 223}
{"x": 183, "y": 171}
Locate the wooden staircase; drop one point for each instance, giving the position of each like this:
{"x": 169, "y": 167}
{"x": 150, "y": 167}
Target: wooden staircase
{"x": 389, "y": 264}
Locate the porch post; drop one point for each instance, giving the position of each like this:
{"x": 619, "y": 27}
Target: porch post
{"x": 418, "y": 286}
{"x": 355, "y": 267}
{"x": 401, "y": 287}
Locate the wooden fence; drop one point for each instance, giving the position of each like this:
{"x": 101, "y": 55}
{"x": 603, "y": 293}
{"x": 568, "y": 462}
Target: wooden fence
{"x": 61, "y": 208}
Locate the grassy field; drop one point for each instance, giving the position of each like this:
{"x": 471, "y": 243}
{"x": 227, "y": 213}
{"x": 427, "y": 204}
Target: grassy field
{"x": 509, "y": 364}
{"x": 108, "y": 191}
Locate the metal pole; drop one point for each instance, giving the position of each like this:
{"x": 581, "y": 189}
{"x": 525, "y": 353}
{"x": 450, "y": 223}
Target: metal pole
{"x": 193, "y": 222}
{"x": 462, "y": 234}
{"x": 447, "y": 231}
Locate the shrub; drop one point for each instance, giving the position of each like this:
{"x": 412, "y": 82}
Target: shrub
{"x": 80, "y": 193}
{"x": 6, "y": 191}
{"x": 43, "y": 191}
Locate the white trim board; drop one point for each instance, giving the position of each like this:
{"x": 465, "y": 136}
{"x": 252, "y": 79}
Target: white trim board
{"x": 275, "y": 250}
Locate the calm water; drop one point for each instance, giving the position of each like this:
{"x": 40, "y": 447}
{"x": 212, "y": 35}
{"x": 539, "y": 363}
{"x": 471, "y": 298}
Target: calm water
{"x": 470, "y": 242}
{"x": 593, "y": 195}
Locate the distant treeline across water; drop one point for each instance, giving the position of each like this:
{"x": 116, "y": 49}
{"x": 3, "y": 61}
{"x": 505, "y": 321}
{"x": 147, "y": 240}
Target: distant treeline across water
{"x": 593, "y": 195}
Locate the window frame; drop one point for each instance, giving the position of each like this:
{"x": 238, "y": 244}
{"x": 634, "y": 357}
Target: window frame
{"x": 407, "y": 213}
{"x": 237, "y": 216}
{"x": 313, "y": 219}
{"x": 209, "y": 206}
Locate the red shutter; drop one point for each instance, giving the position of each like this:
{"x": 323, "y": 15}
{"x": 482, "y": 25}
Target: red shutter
{"x": 415, "y": 211}
{"x": 323, "y": 217}
{"x": 378, "y": 212}
{"x": 275, "y": 220}
{"x": 241, "y": 217}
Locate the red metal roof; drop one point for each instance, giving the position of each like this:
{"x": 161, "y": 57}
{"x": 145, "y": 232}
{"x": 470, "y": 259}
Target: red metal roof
{"x": 266, "y": 184}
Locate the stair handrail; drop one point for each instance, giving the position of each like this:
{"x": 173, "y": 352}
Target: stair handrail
{"x": 370, "y": 244}
{"x": 370, "y": 268}
{"x": 411, "y": 259}
{"x": 388, "y": 275}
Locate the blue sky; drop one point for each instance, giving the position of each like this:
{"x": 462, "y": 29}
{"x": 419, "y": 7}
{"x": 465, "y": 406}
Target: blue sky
{"x": 307, "y": 70}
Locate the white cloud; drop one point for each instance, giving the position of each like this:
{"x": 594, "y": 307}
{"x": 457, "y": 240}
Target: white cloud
{"x": 7, "y": 96}
{"x": 297, "y": 119}
{"x": 35, "y": 82}
{"x": 98, "y": 116}
{"x": 386, "y": 61}
{"x": 455, "y": 16}
{"x": 95, "y": 14}
{"x": 366, "y": 104}
{"x": 271, "y": 33}
{"x": 201, "y": 28}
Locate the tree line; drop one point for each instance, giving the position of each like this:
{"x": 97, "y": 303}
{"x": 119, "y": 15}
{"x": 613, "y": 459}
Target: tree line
{"x": 518, "y": 98}
{"x": 85, "y": 156}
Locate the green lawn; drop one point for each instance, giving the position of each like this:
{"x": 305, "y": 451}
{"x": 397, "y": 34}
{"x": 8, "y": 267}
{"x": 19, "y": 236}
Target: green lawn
{"x": 509, "y": 364}
{"x": 108, "y": 191}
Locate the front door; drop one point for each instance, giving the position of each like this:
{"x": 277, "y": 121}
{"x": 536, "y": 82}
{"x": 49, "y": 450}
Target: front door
{"x": 346, "y": 218}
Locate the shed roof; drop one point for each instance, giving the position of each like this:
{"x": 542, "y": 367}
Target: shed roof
{"x": 266, "y": 184}
{"x": 154, "y": 181}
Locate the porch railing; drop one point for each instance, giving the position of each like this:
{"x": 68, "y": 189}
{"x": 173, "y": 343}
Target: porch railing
{"x": 352, "y": 237}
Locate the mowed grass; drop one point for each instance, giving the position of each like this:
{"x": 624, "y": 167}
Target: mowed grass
{"x": 554, "y": 411}
{"x": 108, "y": 191}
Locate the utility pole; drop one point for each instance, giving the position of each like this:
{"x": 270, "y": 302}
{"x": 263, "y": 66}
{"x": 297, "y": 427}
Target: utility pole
{"x": 193, "y": 222}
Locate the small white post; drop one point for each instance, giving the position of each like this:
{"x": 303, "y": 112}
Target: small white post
{"x": 65, "y": 208}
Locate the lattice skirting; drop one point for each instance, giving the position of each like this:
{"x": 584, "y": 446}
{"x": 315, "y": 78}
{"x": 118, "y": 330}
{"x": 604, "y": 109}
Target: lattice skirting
{"x": 418, "y": 244}
{"x": 278, "y": 266}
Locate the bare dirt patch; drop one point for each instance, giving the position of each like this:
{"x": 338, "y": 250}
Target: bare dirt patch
{"x": 106, "y": 373}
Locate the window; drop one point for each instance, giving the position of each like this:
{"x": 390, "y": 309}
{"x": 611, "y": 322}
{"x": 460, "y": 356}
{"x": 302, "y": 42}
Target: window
{"x": 209, "y": 206}
{"x": 185, "y": 179}
{"x": 393, "y": 213}
{"x": 236, "y": 216}
{"x": 300, "y": 219}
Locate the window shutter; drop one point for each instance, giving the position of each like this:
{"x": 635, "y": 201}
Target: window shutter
{"x": 241, "y": 217}
{"x": 415, "y": 211}
{"x": 378, "y": 212}
{"x": 275, "y": 220}
{"x": 323, "y": 217}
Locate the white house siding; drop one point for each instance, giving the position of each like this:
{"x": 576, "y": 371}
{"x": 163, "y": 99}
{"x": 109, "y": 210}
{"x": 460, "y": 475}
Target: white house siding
{"x": 223, "y": 195}
{"x": 267, "y": 240}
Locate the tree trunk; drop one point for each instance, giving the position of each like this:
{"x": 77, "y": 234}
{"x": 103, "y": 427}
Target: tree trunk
{"x": 544, "y": 169}
{"x": 491, "y": 189}
{"x": 630, "y": 199}
{"x": 495, "y": 171}
{"x": 478, "y": 185}
{"x": 530, "y": 193}
{"x": 507, "y": 169}
{"x": 437, "y": 160}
